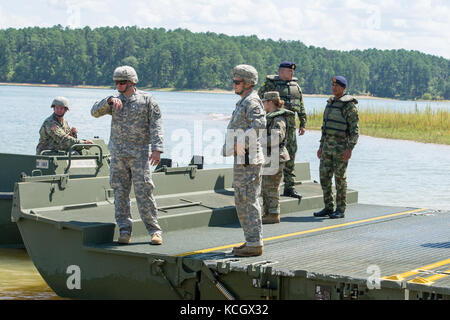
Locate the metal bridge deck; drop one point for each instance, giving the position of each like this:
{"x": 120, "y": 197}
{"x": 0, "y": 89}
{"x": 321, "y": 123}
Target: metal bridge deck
{"x": 403, "y": 243}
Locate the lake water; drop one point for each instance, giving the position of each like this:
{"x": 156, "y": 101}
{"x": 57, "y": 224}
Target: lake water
{"x": 390, "y": 172}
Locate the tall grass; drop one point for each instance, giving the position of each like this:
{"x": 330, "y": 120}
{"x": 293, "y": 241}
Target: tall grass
{"x": 432, "y": 126}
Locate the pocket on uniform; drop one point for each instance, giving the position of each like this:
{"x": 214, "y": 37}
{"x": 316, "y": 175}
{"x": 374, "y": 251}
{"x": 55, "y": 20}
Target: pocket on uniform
{"x": 148, "y": 176}
{"x": 241, "y": 180}
{"x": 118, "y": 175}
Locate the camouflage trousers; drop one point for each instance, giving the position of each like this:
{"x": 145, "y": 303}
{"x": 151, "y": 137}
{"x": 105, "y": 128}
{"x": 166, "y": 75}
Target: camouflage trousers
{"x": 271, "y": 191}
{"x": 247, "y": 189}
{"x": 123, "y": 172}
{"x": 289, "y": 167}
{"x": 331, "y": 164}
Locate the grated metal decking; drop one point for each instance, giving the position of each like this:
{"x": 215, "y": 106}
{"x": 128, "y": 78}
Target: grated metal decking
{"x": 394, "y": 240}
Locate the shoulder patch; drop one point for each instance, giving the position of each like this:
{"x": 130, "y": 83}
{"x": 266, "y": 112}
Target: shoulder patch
{"x": 53, "y": 127}
{"x": 155, "y": 109}
{"x": 257, "y": 110}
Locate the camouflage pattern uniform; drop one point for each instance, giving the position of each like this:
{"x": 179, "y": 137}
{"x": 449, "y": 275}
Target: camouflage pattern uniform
{"x": 291, "y": 94}
{"x": 248, "y": 115}
{"x": 276, "y": 122}
{"x": 340, "y": 131}
{"x": 56, "y": 135}
{"x": 133, "y": 129}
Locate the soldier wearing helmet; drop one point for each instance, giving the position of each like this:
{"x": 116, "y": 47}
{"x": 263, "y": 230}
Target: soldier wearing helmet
{"x": 277, "y": 117}
{"x": 55, "y": 133}
{"x": 243, "y": 141}
{"x": 136, "y": 130}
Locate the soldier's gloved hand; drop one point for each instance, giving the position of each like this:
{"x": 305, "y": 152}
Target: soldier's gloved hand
{"x": 116, "y": 103}
{"x": 347, "y": 155}
{"x": 73, "y": 131}
{"x": 319, "y": 153}
{"x": 155, "y": 157}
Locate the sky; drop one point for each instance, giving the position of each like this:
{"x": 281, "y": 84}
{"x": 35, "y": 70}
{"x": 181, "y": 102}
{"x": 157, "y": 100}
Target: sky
{"x": 422, "y": 25}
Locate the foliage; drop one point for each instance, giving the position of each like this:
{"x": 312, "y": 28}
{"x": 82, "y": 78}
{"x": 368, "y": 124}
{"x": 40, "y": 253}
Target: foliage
{"x": 432, "y": 126}
{"x": 185, "y": 60}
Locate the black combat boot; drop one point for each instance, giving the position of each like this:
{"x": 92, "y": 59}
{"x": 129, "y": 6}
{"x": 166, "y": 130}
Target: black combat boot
{"x": 324, "y": 212}
{"x": 292, "y": 193}
{"x": 337, "y": 214}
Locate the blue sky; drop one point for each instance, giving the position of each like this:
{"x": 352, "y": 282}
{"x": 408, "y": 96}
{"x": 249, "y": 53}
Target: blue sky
{"x": 422, "y": 25}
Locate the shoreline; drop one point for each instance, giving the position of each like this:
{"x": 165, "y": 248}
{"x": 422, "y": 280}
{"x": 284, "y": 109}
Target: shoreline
{"x": 390, "y": 138}
{"x": 52, "y": 85}
{"x": 213, "y": 91}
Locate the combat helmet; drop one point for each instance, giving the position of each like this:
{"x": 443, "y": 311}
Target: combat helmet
{"x": 246, "y": 72}
{"x": 60, "y": 101}
{"x": 125, "y": 73}
{"x": 271, "y": 95}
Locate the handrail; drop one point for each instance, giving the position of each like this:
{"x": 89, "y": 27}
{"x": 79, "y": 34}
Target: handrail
{"x": 52, "y": 152}
{"x": 99, "y": 158}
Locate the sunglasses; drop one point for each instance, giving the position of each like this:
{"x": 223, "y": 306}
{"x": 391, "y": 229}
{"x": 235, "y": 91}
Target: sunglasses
{"x": 238, "y": 82}
{"x": 122, "y": 82}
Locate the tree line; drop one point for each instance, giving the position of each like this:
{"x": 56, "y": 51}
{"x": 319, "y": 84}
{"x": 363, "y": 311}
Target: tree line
{"x": 185, "y": 60}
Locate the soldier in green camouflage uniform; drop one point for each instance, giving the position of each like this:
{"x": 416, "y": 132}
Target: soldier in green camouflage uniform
{"x": 55, "y": 133}
{"x": 243, "y": 141}
{"x": 340, "y": 134}
{"x": 277, "y": 121}
{"x": 136, "y": 124}
{"x": 290, "y": 92}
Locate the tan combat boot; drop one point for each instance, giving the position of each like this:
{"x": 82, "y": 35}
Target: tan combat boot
{"x": 240, "y": 247}
{"x": 269, "y": 218}
{"x": 156, "y": 239}
{"x": 124, "y": 238}
{"x": 246, "y": 251}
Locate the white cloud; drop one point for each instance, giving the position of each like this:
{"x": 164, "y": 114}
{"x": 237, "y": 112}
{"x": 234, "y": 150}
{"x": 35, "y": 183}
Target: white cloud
{"x": 11, "y": 20}
{"x": 347, "y": 24}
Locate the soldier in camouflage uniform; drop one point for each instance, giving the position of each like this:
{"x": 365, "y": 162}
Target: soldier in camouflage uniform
{"x": 340, "y": 134}
{"x": 55, "y": 133}
{"x": 277, "y": 121}
{"x": 290, "y": 92}
{"x": 247, "y": 119}
{"x": 136, "y": 124}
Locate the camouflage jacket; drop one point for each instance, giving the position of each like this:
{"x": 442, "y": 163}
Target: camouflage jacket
{"x": 135, "y": 127}
{"x": 345, "y": 107}
{"x": 247, "y": 120}
{"x": 290, "y": 93}
{"x": 277, "y": 124}
{"x": 55, "y": 135}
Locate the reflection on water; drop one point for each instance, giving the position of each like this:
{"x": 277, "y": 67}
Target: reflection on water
{"x": 19, "y": 279}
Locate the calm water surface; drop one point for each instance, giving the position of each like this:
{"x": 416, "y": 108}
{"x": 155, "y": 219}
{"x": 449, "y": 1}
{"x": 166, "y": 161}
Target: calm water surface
{"x": 391, "y": 172}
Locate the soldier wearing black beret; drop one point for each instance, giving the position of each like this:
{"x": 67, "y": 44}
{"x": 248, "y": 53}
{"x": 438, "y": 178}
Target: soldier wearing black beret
{"x": 291, "y": 93}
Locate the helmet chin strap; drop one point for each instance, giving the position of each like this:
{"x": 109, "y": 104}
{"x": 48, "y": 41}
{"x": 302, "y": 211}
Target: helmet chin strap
{"x": 243, "y": 89}
{"x": 126, "y": 88}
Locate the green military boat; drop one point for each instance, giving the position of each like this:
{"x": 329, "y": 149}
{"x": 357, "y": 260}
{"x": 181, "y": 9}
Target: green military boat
{"x": 91, "y": 162}
{"x": 375, "y": 252}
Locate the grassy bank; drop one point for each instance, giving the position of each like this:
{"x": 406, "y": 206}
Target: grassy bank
{"x": 431, "y": 126}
